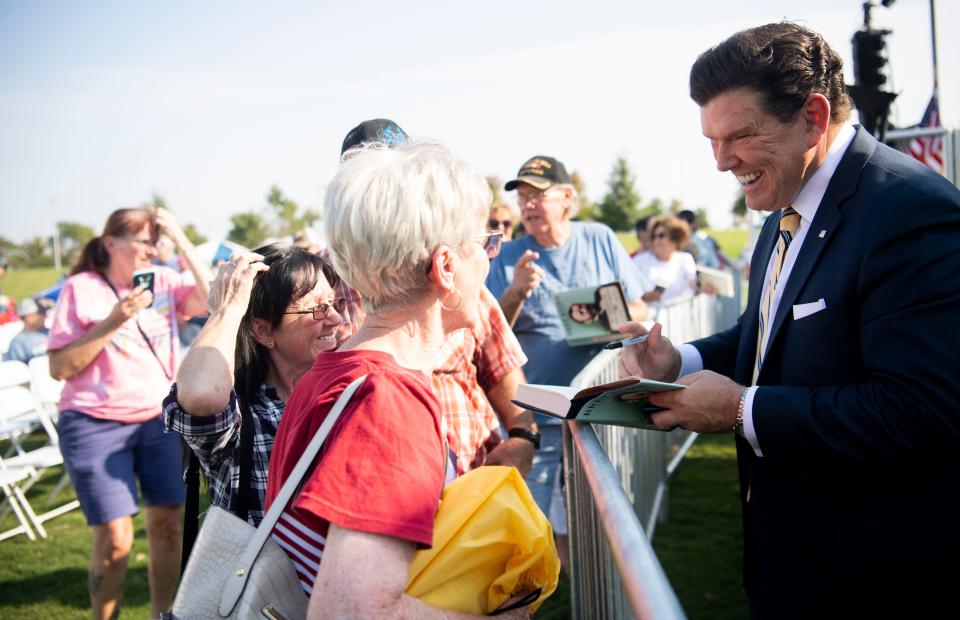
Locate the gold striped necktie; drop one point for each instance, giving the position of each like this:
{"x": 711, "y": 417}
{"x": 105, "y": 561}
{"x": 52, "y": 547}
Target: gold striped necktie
{"x": 789, "y": 222}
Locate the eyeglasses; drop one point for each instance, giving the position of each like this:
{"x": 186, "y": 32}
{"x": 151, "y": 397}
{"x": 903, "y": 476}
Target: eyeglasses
{"x": 527, "y": 197}
{"x": 319, "y": 311}
{"x": 147, "y": 243}
{"x": 660, "y": 235}
{"x": 491, "y": 242}
{"x": 504, "y": 224}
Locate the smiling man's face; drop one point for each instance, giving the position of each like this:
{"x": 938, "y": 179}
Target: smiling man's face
{"x": 770, "y": 159}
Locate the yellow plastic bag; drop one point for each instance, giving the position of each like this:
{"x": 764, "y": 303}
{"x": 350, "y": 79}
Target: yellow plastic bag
{"x": 490, "y": 541}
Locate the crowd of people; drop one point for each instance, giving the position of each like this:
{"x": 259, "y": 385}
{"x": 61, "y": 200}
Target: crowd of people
{"x": 838, "y": 379}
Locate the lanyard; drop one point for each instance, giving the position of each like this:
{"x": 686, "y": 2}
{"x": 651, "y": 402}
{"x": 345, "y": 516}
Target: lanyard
{"x": 142, "y": 333}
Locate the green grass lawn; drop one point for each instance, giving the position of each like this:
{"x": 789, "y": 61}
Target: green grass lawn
{"x": 20, "y": 283}
{"x": 730, "y": 241}
{"x": 699, "y": 547}
{"x": 48, "y": 578}
{"x": 700, "y": 544}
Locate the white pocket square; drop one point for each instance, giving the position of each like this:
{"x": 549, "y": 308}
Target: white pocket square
{"x": 804, "y": 310}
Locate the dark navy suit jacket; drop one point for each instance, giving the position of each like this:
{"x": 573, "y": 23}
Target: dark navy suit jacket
{"x": 855, "y": 505}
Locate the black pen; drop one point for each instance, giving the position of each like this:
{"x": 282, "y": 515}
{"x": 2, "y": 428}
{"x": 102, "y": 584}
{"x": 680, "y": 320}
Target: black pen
{"x": 627, "y": 342}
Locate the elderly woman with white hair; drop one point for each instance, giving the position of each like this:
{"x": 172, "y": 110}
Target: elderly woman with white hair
{"x": 406, "y": 229}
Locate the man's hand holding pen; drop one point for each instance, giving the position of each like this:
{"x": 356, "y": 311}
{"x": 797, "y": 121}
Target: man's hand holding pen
{"x": 708, "y": 405}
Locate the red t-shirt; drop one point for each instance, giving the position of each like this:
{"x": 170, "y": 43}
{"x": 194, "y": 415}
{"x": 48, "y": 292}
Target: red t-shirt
{"x": 381, "y": 469}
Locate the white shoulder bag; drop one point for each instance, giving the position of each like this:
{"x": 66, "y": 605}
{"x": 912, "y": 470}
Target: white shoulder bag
{"x": 238, "y": 571}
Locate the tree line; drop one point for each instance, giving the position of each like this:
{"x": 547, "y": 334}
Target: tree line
{"x": 281, "y": 216}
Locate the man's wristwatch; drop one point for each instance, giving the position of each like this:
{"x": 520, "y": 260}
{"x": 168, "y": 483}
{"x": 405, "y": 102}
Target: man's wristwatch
{"x": 738, "y": 424}
{"x": 525, "y": 433}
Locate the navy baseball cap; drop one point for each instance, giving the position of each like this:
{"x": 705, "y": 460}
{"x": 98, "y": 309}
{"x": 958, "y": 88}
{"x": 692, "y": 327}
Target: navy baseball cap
{"x": 380, "y": 130}
{"x": 541, "y": 172}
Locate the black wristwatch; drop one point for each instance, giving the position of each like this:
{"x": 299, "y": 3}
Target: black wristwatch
{"x": 525, "y": 433}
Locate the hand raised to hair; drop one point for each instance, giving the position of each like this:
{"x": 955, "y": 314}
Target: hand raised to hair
{"x": 168, "y": 225}
{"x": 234, "y": 282}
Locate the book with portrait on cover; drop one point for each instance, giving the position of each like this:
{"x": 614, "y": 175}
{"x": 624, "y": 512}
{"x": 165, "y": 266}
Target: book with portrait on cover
{"x": 592, "y": 315}
{"x": 622, "y": 403}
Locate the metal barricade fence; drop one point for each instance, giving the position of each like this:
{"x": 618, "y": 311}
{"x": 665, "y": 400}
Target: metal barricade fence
{"x": 616, "y": 487}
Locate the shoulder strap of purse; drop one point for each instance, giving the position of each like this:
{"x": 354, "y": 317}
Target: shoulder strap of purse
{"x": 140, "y": 329}
{"x": 191, "y": 510}
{"x": 246, "y": 459}
{"x": 238, "y": 577}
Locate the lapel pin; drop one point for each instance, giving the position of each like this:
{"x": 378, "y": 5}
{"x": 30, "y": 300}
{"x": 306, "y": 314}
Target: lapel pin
{"x": 823, "y": 233}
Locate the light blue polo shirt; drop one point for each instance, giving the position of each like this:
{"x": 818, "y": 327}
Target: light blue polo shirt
{"x": 591, "y": 256}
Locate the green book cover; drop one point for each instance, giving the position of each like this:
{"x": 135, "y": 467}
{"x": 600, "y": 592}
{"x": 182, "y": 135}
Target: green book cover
{"x": 600, "y": 404}
{"x": 592, "y": 315}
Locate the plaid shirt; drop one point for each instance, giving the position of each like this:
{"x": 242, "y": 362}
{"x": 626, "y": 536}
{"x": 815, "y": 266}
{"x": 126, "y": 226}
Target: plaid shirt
{"x": 216, "y": 439}
{"x": 475, "y": 360}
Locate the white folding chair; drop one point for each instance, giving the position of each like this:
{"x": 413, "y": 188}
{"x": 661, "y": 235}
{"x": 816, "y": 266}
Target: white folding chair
{"x": 7, "y": 332}
{"x": 14, "y": 498}
{"x": 20, "y": 412}
{"x": 44, "y": 387}
{"x": 14, "y": 372}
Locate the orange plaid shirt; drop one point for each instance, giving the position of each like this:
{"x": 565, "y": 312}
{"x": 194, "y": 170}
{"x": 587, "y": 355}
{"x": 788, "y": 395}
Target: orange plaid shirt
{"x": 475, "y": 359}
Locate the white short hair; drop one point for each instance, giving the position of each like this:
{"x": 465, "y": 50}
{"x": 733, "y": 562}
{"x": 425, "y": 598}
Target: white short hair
{"x": 388, "y": 209}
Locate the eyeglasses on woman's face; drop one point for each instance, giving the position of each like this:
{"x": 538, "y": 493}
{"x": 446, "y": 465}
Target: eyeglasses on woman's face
{"x": 662, "y": 234}
{"x": 500, "y": 224}
{"x": 145, "y": 243}
{"x": 320, "y": 311}
{"x": 491, "y": 242}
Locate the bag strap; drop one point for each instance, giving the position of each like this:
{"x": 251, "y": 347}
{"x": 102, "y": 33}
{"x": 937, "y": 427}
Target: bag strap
{"x": 246, "y": 459}
{"x": 191, "y": 511}
{"x": 238, "y": 578}
{"x": 140, "y": 329}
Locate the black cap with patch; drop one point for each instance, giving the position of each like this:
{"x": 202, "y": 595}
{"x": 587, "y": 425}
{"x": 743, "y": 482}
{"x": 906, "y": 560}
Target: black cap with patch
{"x": 380, "y": 130}
{"x": 541, "y": 172}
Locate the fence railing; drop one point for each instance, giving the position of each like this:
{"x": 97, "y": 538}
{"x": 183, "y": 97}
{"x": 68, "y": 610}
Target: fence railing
{"x": 616, "y": 488}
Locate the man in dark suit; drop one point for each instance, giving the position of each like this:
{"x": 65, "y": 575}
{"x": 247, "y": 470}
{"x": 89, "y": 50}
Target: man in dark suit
{"x": 841, "y": 379}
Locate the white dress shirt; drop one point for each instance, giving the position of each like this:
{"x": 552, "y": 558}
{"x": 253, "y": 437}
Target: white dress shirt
{"x": 806, "y": 204}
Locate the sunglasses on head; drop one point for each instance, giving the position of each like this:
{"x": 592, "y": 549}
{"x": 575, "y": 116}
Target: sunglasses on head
{"x": 319, "y": 311}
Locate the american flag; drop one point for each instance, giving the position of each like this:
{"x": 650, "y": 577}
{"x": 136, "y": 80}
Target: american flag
{"x": 929, "y": 149}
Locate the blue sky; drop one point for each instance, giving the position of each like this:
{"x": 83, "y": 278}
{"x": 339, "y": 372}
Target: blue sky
{"x": 209, "y": 104}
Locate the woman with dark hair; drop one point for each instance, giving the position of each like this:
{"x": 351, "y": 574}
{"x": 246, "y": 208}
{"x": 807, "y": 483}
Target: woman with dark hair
{"x": 116, "y": 346}
{"x": 271, "y": 312}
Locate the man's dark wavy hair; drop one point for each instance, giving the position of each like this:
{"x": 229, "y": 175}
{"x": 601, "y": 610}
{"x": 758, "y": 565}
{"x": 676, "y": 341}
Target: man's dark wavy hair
{"x": 784, "y": 62}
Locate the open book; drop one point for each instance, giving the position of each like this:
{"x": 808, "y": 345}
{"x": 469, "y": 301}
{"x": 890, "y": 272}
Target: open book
{"x": 592, "y": 315}
{"x": 601, "y": 404}
{"x": 721, "y": 280}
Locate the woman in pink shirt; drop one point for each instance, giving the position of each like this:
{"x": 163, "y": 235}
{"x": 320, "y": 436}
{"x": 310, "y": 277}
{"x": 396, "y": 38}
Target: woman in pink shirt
{"x": 117, "y": 347}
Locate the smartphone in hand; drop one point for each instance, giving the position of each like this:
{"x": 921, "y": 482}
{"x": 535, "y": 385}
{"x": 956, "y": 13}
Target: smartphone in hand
{"x": 144, "y": 278}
